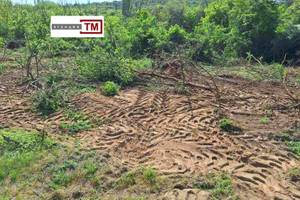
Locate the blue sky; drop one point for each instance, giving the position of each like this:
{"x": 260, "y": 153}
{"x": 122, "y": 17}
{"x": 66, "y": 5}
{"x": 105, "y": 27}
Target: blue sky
{"x": 58, "y": 1}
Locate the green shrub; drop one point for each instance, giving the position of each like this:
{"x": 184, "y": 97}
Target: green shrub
{"x": 49, "y": 100}
{"x": 110, "y": 88}
{"x": 149, "y": 176}
{"x": 226, "y": 125}
{"x": 76, "y": 126}
{"x": 294, "y": 146}
{"x": 128, "y": 179}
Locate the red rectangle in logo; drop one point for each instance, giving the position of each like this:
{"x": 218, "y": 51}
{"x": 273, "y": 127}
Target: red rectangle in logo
{"x": 92, "y": 26}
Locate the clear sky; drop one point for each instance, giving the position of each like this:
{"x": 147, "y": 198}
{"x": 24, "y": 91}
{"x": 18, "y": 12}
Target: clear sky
{"x": 65, "y": 1}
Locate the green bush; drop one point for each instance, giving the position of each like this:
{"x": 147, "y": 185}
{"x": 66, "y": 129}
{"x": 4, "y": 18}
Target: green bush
{"x": 49, "y": 100}
{"x": 110, "y": 88}
{"x": 76, "y": 126}
{"x": 226, "y": 125}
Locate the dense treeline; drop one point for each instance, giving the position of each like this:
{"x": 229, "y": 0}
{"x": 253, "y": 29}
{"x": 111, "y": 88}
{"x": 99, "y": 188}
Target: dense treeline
{"x": 211, "y": 31}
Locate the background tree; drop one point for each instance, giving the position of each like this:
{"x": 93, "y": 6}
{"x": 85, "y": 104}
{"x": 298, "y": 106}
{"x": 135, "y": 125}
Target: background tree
{"x": 126, "y": 7}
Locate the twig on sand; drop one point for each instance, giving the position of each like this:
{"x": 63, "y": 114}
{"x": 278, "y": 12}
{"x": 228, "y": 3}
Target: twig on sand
{"x": 171, "y": 78}
{"x": 39, "y": 195}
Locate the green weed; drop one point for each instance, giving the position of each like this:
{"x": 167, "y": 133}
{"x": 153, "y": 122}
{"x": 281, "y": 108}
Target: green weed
{"x": 18, "y": 150}
{"x": 3, "y": 68}
{"x": 110, "y": 88}
{"x": 49, "y": 100}
{"x": 219, "y": 183}
{"x": 226, "y": 125}
{"x": 75, "y": 127}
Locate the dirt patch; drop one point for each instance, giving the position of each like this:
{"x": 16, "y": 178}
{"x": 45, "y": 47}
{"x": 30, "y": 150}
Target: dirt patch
{"x": 180, "y": 134}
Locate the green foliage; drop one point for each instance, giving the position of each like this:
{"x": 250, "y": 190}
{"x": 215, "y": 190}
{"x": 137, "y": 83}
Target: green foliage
{"x": 62, "y": 178}
{"x": 127, "y": 180}
{"x": 2, "y": 68}
{"x": 219, "y": 183}
{"x": 294, "y": 174}
{"x": 291, "y": 139}
{"x": 110, "y": 88}
{"x": 76, "y": 126}
{"x": 49, "y": 100}
{"x": 226, "y": 125}
{"x": 18, "y": 150}
{"x": 176, "y": 35}
{"x": 90, "y": 169}
{"x": 144, "y": 176}
{"x": 264, "y": 119}
{"x": 150, "y": 176}
{"x": 79, "y": 121}
{"x": 294, "y": 146}
{"x": 182, "y": 89}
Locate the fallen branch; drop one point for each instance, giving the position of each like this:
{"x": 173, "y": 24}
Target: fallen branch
{"x": 256, "y": 60}
{"x": 171, "y": 78}
{"x": 212, "y": 78}
{"x": 39, "y": 195}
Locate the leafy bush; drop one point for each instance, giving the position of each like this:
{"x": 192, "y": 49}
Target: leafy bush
{"x": 49, "y": 100}
{"x": 110, "y": 88}
{"x": 75, "y": 127}
{"x": 294, "y": 146}
{"x": 226, "y": 125}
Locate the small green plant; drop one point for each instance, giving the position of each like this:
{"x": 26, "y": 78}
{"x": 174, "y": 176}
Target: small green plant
{"x": 62, "y": 178}
{"x": 49, "y": 100}
{"x": 291, "y": 139}
{"x": 80, "y": 121}
{"x": 68, "y": 165}
{"x": 182, "y": 89}
{"x": 3, "y": 68}
{"x": 219, "y": 183}
{"x": 294, "y": 146}
{"x": 264, "y": 119}
{"x": 154, "y": 105}
{"x": 110, "y": 88}
{"x": 294, "y": 174}
{"x": 76, "y": 126}
{"x": 149, "y": 176}
{"x": 90, "y": 169}
{"x": 226, "y": 125}
{"x": 128, "y": 179}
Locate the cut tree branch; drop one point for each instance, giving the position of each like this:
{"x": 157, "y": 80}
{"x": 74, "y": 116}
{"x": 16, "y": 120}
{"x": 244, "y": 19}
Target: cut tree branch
{"x": 171, "y": 78}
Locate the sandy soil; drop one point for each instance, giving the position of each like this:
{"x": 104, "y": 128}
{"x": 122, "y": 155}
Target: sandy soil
{"x": 179, "y": 134}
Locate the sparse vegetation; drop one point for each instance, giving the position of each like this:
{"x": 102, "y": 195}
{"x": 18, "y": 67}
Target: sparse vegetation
{"x": 294, "y": 174}
{"x": 219, "y": 183}
{"x": 188, "y": 68}
{"x": 291, "y": 139}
